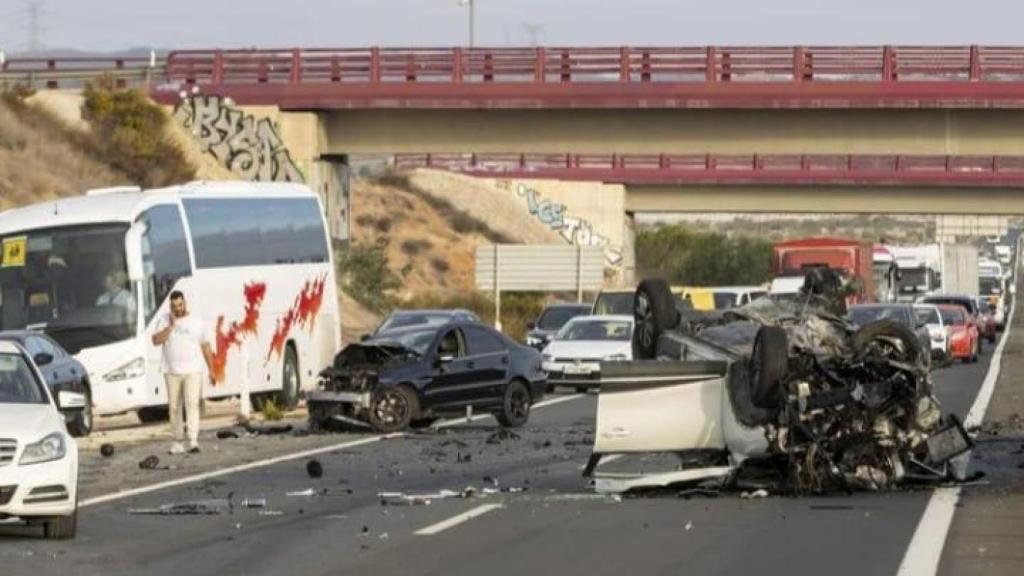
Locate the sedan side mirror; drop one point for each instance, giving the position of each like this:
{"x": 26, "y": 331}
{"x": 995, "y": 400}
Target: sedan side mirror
{"x": 69, "y": 401}
{"x": 42, "y": 359}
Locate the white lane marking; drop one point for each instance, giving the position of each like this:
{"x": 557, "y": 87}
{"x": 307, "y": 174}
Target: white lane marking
{"x": 229, "y": 470}
{"x": 277, "y": 460}
{"x": 925, "y": 550}
{"x": 457, "y": 519}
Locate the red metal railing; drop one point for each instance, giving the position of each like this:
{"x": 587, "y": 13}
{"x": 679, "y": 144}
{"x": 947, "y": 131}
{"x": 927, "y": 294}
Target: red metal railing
{"x": 600, "y": 64}
{"x": 729, "y": 168}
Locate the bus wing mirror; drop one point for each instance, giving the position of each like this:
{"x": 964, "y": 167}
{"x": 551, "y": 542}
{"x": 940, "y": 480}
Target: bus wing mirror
{"x": 133, "y": 251}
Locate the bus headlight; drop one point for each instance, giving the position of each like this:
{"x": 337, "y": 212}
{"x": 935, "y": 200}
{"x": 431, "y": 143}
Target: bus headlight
{"x": 50, "y": 448}
{"x": 134, "y": 369}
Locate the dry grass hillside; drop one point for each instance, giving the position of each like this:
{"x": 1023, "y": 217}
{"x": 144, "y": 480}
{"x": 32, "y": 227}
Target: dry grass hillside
{"x": 42, "y": 158}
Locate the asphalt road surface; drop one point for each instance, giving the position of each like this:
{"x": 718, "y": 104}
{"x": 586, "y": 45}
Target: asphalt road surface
{"x": 555, "y": 525}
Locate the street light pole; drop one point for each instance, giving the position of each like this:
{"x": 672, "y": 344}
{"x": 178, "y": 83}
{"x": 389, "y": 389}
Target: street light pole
{"x": 472, "y": 19}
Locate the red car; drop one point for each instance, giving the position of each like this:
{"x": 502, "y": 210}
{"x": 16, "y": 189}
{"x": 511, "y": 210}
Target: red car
{"x": 964, "y": 338}
{"x": 987, "y": 324}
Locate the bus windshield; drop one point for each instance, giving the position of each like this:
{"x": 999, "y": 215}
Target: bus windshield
{"x": 70, "y": 282}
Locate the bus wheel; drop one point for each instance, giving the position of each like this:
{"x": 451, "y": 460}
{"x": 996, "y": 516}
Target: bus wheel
{"x": 290, "y": 379}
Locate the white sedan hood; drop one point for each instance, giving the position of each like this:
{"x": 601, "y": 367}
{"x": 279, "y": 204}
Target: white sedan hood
{"x": 27, "y": 422}
{"x": 588, "y": 349}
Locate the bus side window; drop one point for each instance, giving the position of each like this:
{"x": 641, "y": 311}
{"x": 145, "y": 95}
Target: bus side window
{"x": 164, "y": 256}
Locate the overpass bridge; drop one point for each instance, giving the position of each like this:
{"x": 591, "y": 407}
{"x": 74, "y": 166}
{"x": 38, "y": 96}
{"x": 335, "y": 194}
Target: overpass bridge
{"x": 902, "y": 129}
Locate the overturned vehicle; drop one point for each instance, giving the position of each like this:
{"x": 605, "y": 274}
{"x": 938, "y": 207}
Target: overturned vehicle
{"x": 783, "y": 394}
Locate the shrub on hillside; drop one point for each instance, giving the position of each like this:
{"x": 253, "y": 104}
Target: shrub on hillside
{"x": 692, "y": 258}
{"x": 364, "y": 274}
{"x": 129, "y": 132}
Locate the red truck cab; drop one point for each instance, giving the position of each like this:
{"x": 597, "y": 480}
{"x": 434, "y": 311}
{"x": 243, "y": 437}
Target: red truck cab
{"x": 852, "y": 259}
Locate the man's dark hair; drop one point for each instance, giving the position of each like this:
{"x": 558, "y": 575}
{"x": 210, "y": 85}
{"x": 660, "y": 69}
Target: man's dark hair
{"x": 177, "y": 295}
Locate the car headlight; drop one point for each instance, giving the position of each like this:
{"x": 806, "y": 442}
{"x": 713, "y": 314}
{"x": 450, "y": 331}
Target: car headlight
{"x": 50, "y": 448}
{"x": 616, "y": 358}
{"x": 134, "y": 369}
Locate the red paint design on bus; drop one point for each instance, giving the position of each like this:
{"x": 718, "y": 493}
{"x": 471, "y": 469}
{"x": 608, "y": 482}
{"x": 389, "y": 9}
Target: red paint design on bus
{"x": 254, "y": 294}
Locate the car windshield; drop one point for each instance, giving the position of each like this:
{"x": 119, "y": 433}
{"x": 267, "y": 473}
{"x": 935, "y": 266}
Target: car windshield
{"x": 988, "y": 286}
{"x": 416, "y": 340}
{"x": 965, "y": 303}
{"x": 555, "y": 317}
{"x": 927, "y": 315}
{"x": 952, "y": 316}
{"x": 725, "y": 300}
{"x": 406, "y": 319}
{"x": 18, "y": 385}
{"x": 614, "y": 303}
{"x": 596, "y": 330}
{"x": 69, "y": 282}
{"x": 861, "y": 315}
{"x": 913, "y": 280}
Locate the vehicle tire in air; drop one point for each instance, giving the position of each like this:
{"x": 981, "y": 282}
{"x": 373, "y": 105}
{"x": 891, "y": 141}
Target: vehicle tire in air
{"x": 515, "y": 406}
{"x": 655, "y": 313}
{"x": 392, "y": 409}
{"x": 769, "y": 363}
{"x": 888, "y": 329}
{"x": 290, "y": 379}
{"x": 61, "y": 527}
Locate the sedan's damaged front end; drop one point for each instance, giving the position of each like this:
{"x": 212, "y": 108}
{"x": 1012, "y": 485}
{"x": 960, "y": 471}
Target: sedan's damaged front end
{"x": 346, "y": 389}
{"x": 784, "y": 395}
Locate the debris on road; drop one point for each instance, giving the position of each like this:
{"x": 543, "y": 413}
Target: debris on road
{"x": 226, "y": 434}
{"x": 268, "y": 429}
{"x": 107, "y": 450}
{"x": 149, "y": 463}
{"x": 314, "y": 469}
{"x": 754, "y": 494}
{"x": 198, "y": 508}
{"x": 501, "y": 435}
{"x": 254, "y": 503}
{"x": 301, "y": 493}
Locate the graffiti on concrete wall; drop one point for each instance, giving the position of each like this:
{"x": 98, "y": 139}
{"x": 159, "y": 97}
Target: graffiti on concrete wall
{"x": 249, "y": 147}
{"x": 575, "y": 231}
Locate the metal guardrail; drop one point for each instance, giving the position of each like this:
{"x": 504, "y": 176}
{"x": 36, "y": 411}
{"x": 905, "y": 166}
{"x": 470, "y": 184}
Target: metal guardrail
{"x": 731, "y": 168}
{"x": 72, "y": 72}
{"x": 625, "y": 64}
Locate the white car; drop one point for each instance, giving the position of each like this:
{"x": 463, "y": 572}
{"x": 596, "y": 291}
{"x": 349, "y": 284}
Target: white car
{"x": 938, "y": 334}
{"x": 574, "y": 356}
{"x": 38, "y": 458}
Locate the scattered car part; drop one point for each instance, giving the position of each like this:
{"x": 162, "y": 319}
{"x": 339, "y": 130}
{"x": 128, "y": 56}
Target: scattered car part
{"x": 107, "y": 450}
{"x": 314, "y": 469}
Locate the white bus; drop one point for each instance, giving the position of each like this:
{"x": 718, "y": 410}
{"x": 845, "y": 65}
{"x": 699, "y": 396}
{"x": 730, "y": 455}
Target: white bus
{"x": 253, "y": 260}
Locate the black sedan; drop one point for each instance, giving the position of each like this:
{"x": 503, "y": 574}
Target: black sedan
{"x": 413, "y": 376}
{"x": 61, "y": 370}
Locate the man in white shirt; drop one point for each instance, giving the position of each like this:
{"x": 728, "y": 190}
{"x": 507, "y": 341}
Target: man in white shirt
{"x": 185, "y": 348}
{"x": 116, "y": 294}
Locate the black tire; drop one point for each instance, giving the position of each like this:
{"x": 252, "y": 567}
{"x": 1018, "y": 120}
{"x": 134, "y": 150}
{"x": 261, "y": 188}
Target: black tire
{"x": 655, "y": 313}
{"x": 769, "y": 362}
{"x": 81, "y": 425}
{"x": 290, "y": 379}
{"x": 515, "y": 406}
{"x": 888, "y": 329}
{"x": 153, "y": 414}
{"x": 393, "y": 409}
{"x": 61, "y": 527}
{"x": 422, "y": 423}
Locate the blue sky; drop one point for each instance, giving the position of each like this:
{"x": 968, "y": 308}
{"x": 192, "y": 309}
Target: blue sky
{"x": 118, "y": 24}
